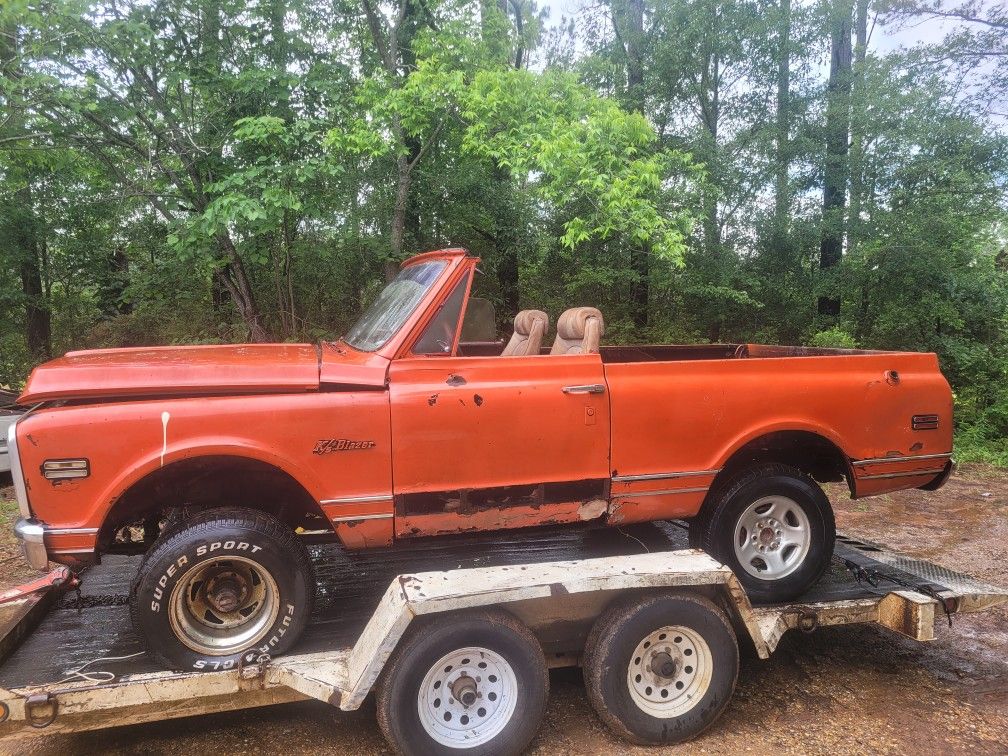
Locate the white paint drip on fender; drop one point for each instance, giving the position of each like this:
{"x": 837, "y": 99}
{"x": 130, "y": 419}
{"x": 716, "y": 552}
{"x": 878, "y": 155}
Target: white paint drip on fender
{"x": 165, "y": 417}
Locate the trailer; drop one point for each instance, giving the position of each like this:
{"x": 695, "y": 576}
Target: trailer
{"x": 455, "y": 637}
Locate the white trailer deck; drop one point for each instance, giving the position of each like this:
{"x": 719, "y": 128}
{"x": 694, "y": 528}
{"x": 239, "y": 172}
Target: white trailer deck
{"x": 73, "y": 663}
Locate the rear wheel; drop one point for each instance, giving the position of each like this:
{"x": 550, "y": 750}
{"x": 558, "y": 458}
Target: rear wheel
{"x": 662, "y": 669}
{"x": 469, "y": 683}
{"x": 226, "y": 582}
{"x": 774, "y": 527}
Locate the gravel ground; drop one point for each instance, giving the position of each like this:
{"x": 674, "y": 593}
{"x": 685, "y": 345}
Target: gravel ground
{"x": 851, "y": 690}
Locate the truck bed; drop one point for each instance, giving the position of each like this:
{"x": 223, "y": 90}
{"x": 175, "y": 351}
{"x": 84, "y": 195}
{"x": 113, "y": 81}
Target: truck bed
{"x": 74, "y": 632}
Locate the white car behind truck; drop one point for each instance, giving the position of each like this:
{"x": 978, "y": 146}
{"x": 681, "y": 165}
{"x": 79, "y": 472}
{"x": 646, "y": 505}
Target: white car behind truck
{"x": 8, "y": 414}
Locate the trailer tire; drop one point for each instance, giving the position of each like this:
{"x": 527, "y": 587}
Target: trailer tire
{"x": 228, "y": 583}
{"x": 764, "y": 503}
{"x": 416, "y": 696}
{"x": 664, "y": 696}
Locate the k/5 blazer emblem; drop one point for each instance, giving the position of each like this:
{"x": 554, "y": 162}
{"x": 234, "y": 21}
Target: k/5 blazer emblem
{"x": 328, "y": 445}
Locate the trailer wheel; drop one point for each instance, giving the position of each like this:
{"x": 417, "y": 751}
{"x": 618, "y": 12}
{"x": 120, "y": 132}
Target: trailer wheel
{"x": 774, "y": 527}
{"x": 661, "y": 670}
{"x": 225, "y": 582}
{"x": 468, "y": 683}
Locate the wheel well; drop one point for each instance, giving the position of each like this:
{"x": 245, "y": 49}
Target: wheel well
{"x": 182, "y": 488}
{"x": 809, "y": 452}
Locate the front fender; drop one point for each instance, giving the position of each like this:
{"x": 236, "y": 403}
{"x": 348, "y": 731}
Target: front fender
{"x": 125, "y": 442}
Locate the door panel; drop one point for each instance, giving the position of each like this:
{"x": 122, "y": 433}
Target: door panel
{"x": 496, "y": 442}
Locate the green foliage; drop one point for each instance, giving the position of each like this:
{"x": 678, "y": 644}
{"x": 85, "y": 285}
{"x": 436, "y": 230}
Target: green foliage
{"x": 211, "y": 170}
{"x": 574, "y": 147}
{"x": 834, "y": 338}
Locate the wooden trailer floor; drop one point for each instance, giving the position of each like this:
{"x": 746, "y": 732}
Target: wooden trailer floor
{"x": 74, "y": 632}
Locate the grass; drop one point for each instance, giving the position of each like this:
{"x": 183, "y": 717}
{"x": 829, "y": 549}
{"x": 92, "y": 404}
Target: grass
{"x": 979, "y": 444}
{"x": 8, "y": 507}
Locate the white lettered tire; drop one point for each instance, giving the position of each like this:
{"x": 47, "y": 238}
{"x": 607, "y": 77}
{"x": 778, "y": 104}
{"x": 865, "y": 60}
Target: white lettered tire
{"x": 464, "y": 683}
{"x": 226, "y": 582}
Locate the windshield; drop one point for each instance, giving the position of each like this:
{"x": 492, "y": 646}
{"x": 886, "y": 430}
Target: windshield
{"x": 394, "y": 305}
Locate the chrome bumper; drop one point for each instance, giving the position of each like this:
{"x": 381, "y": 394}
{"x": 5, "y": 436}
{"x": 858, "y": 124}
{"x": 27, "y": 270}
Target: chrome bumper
{"x": 32, "y": 536}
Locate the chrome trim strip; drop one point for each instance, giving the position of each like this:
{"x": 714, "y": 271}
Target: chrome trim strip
{"x": 71, "y": 531}
{"x": 72, "y": 551}
{"x": 20, "y": 489}
{"x": 663, "y": 476}
{"x": 351, "y": 518}
{"x": 357, "y": 499}
{"x": 880, "y": 460}
{"x": 660, "y": 493}
{"x": 911, "y": 474}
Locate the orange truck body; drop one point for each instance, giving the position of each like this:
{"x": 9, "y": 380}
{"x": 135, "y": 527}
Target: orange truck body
{"x": 388, "y": 445}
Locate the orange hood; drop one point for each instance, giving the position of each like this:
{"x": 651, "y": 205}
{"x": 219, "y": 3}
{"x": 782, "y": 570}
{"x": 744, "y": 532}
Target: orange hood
{"x": 175, "y": 371}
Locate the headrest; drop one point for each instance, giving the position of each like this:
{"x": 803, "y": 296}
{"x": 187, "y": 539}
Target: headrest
{"x": 526, "y": 319}
{"x": 573, "y": 322}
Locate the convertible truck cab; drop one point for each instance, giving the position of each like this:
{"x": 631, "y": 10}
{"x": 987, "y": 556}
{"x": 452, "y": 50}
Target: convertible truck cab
{"x": 221, "y": 462}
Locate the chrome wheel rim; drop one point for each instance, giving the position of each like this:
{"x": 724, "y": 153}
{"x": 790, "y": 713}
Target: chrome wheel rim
{"x": 772, "y": 537}
{"x": 224, "y": 606}
{"x": 670, "y": 671}
{"x": 467, "y": 697}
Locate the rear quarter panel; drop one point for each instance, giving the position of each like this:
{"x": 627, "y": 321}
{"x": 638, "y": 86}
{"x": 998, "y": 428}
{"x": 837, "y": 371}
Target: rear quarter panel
{"x": 691, "y": 416}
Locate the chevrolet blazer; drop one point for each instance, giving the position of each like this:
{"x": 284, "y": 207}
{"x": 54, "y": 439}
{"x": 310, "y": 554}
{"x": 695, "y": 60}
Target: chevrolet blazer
{"x": 219, "y": 463}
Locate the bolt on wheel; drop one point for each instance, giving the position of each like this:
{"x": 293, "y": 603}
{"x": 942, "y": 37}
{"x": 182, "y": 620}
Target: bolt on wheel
{"x": 223, "y": 606}
{"x": 467, "y": 697}
{"x": 669, "y": 671}
{"x": 470, "y": 682}
{"x": 772, "y": 537}
{"x": 659, "y": 669}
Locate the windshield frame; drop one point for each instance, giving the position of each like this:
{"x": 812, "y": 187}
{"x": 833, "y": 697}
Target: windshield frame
{"x": 385, "y": 302}
{"x": 452, "y": 260}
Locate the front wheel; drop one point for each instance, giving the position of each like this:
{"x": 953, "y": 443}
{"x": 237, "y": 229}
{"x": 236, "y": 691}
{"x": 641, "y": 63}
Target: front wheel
{"x": 227, "y": 582}
{"x": 774, "y": 527}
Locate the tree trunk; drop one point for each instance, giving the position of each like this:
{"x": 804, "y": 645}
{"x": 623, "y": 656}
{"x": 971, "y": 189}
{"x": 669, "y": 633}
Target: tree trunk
{"x": 858, "y": 107}
{"x": 18, "y": 222}
{"x": 234, "y": 278}
{"x": 403, "y": 181}
{"x": 782, "y": 193}
{"x": 837, "y": 135}
{"x": 505, "y": 250}
{"x": 629, "y": 21}
{"x": 38, "y": 327}
{"x": 519, "y": 22}
{"x": 710, "y": 111}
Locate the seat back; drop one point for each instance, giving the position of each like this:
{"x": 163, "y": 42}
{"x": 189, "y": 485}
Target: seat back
{"x": 530, "y": 327}
{"x": 579, "y": 331}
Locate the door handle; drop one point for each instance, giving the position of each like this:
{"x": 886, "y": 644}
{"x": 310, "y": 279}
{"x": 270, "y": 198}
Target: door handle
{"x": 591, "y": 388}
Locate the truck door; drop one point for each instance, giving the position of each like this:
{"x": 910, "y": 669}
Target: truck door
{"x": 488, "y": 442}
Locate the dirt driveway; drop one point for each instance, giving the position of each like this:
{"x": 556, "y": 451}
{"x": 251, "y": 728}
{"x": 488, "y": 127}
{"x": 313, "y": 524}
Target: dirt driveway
{"x": 838, "y": 690}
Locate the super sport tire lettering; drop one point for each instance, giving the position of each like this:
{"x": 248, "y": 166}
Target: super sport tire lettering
{"x": 206, "y": 539}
